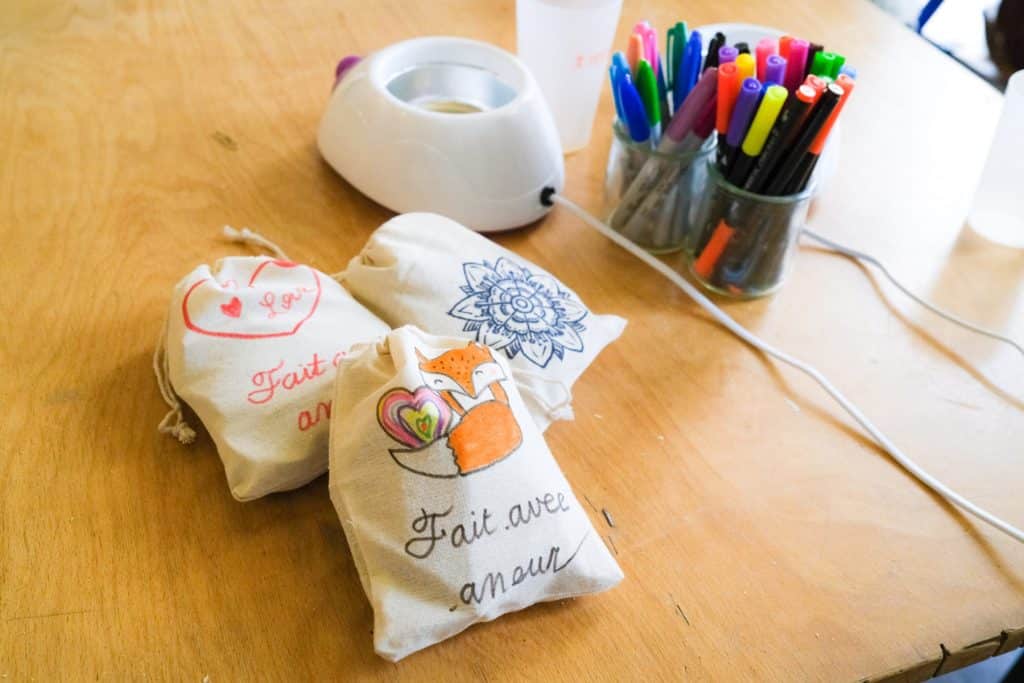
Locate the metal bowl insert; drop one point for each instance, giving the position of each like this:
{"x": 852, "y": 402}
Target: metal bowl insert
{"x": 451, "y": 88}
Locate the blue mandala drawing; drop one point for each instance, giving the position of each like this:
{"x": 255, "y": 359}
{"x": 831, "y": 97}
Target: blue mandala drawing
{"x": 511, "y": 308}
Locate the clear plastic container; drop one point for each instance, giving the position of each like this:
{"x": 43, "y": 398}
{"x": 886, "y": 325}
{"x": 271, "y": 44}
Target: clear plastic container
{"x": 661, "y": 220}
{"x": 998, "y": 209}
{"x": 744, "y": 244}
{"x": 565, "y": 44}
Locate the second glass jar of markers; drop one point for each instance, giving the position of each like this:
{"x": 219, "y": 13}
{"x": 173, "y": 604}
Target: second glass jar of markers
{"x": 743, "y": 243}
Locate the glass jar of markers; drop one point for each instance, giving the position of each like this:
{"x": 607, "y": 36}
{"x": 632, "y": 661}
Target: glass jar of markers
{"x": 743, "y": 244}
{"x": 658, "y": 218}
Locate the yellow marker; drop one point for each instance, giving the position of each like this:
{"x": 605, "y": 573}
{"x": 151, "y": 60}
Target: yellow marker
{"x": 764, "y": 119}
{"x": 746, "y": 64}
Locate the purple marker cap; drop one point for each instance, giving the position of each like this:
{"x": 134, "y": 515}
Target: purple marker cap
{"x": 796, "y": 63}
{"x": 686, "y": 117}
{"x": 743, "y": 111}
{"x": 726, "y": 54}
{"x": 775, "y": 70}
{"x": 343, "y": 67}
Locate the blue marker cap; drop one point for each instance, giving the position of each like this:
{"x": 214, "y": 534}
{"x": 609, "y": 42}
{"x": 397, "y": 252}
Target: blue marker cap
{"x": 849, "y": 71}
{"x": 619, "y": 60}
{"x": 614, "y": 74}
{"x": 635, "y": 115}
{"x": 689, "y": 70}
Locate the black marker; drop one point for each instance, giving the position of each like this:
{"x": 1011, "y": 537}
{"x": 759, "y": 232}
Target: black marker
{"x": 814, "y": 49}
{"x": 743, "y": 48}
{"x": 712, "y": 56}
{"x": 806, "y": 166}
{"x": 780, "y": 180}
{"x": 785, "y": 130}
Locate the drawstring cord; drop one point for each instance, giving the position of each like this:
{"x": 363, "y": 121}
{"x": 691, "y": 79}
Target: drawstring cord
{"x": 174, "y": 421}
{"x": 558, "y": 410}
{"x": 247, "y": 236}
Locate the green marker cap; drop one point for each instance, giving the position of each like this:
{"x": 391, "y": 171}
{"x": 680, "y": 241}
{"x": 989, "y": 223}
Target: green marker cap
{"x": 647, "y": 85}
{"x": 675, "y": 46}
{"x": 823, "y": 62}
{"x": 837, "y": 65}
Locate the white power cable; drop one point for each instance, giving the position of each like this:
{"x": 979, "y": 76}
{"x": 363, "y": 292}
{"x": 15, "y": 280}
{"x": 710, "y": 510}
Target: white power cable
{"x": 741, "y": 332}
{"x": 868, "y": 258}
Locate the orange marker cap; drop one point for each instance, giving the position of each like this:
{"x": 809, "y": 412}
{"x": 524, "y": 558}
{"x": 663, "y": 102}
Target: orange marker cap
{"x": 728, "y": 88}
{"x": 806, "y": 93}
{"x": 784, "y": 42}
{"x": 816, "y": 82}
{"x": 847, "y": 84}
{"x": 635, "y": 52}
{"x": 705, "y": 263}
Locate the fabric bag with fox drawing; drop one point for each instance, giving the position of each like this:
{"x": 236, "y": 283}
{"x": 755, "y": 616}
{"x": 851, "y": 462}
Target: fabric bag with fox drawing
{"x": 453, "y": 506}
{"x": 252, "y": 346}
{"x": 427, "y": 270}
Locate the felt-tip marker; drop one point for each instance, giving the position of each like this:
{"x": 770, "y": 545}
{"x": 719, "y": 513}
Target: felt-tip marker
{"x": 795, "y": 63}
{"x": 775, "y": 69}
{"x": 806, "y": 166}
{"x": 781, "y": 179}
{"x": 747, "y": 65}
{"x": 713, "y": 46}
{"x": 728, "y": 89}
{"x": 765, "y": 48}
{"x": 726, "y": 54}
{"x": 783, "y": 133}
{"x": 822, "y": 65}
{"x": 753, "y": 142}
{"x": 742, "y": 112}
{"x": 689, "y": 69}
{"x": 647, "y": 85}
{"x": 812, "y": 50}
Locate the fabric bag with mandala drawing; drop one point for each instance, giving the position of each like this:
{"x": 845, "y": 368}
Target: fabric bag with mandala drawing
{"x": 453, "y": 506}
{"x": 429, "y": 271}
{"x": 252, "y": 345}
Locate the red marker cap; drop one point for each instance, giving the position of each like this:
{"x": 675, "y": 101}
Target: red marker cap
{"x": 816, "y": 82}
{"x": 728, "y": 88}
{"x": 847, "y": 84}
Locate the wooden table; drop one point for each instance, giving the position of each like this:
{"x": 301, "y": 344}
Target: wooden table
{"x": 762, "y": 534}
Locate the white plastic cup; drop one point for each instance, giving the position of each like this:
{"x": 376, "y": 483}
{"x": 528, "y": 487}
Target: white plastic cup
{"x": 566, "y": 44}
{"x": 998, "y": 209}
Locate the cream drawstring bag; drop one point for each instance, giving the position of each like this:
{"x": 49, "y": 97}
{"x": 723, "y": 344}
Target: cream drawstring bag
{"x": 426, "y": 270}
{"x": 252, "y": 346}
{"x": 453, "y": 506}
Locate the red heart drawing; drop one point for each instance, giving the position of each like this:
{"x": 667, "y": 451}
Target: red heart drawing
{"x": 233, "y": 307}
{"x": 278, "y": 297}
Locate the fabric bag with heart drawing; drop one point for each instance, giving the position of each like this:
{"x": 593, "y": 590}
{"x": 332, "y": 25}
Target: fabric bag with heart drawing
{"x": 426, "y": 270}
{"x": 252, "y": 346}
{"x": 453, "y": 506}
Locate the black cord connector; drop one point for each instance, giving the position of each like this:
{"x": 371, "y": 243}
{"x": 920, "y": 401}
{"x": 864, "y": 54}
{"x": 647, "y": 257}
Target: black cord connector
{"x": 545, "y": 196}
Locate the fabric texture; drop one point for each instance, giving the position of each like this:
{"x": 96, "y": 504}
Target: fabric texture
{"x": 427, "y": 270}
{"x": 252, "y": 346}
{"x": 453, "y": 506}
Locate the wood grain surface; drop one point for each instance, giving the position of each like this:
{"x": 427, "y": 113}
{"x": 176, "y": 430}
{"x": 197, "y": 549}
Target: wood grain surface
{"x": 763, "y": 536}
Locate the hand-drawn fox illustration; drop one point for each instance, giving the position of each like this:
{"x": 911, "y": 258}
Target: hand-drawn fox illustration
{"x": 458, "y": 421}
{"x": 469, "y": 380}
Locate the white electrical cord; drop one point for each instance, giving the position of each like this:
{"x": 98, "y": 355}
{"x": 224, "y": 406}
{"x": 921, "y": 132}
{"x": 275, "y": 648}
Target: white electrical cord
{"x": 741, "y": 332}
{"x": 868, "y": 258}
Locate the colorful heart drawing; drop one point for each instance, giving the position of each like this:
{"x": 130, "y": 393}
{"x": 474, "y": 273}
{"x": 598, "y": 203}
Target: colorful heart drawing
{"x": 278, "y": 297}
{"x": 414, "y": 418}
{"x": 232, "y": 308}
{"x": 422, "y": 422}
